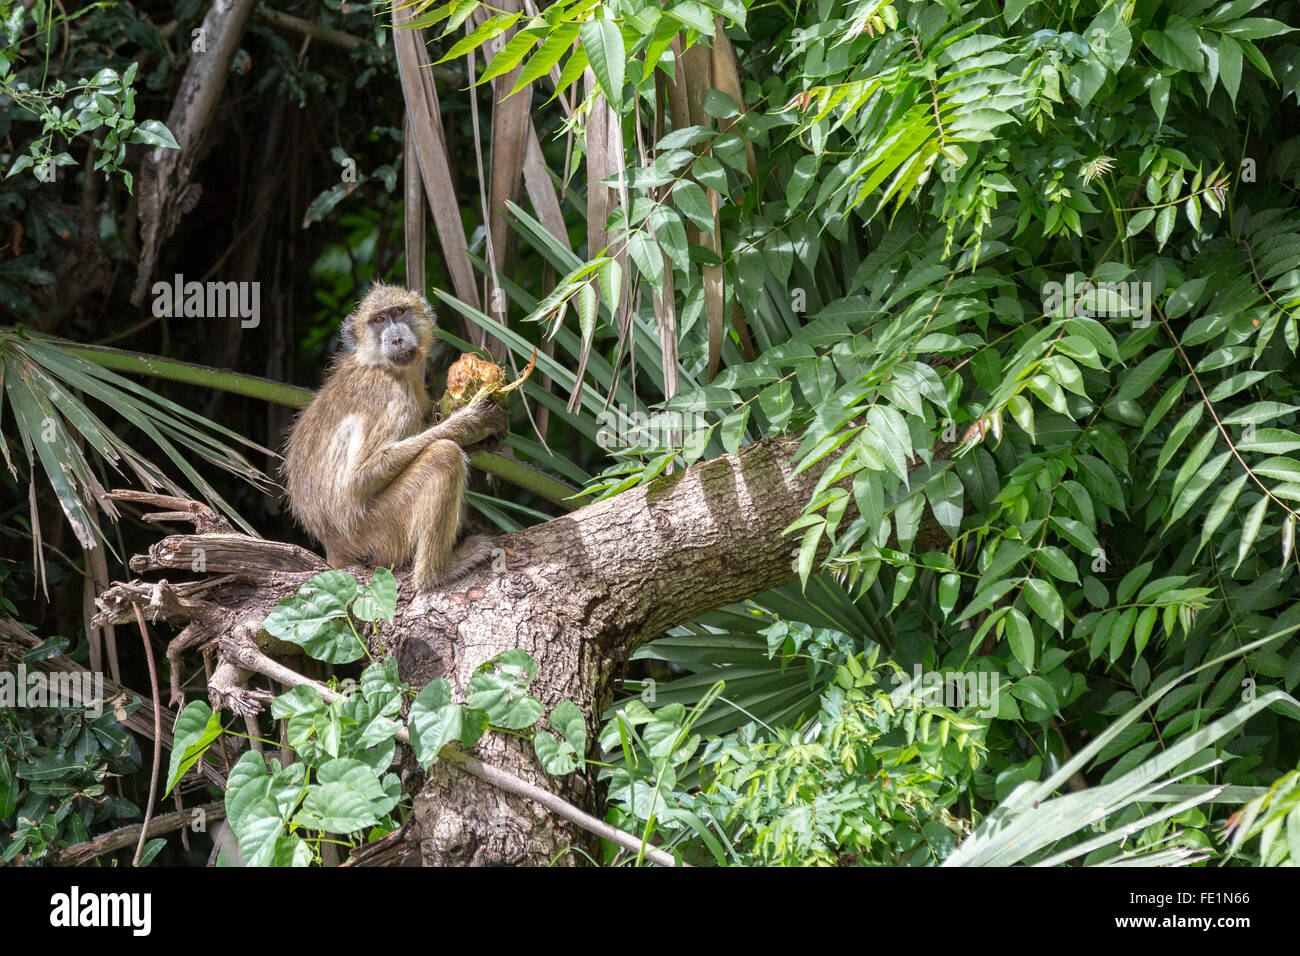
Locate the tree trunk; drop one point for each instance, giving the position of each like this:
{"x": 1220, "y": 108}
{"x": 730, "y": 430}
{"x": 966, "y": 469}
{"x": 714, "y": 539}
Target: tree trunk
{"x": 578, "y": 593}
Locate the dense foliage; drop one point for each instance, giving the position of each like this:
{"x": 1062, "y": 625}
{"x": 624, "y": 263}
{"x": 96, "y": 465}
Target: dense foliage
{"x": 1028, "y": 276}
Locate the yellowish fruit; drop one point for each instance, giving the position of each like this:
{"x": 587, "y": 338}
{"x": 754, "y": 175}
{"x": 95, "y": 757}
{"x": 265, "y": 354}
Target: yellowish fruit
{"x": 472, "y": 377}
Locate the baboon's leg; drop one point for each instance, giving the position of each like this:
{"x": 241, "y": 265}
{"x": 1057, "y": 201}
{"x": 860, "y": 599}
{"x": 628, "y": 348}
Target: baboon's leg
{"x": 419, "y": 513}
{"x": 337, "y": 558}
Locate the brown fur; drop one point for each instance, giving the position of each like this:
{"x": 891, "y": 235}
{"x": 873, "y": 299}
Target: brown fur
{"x": 366, "y": 476}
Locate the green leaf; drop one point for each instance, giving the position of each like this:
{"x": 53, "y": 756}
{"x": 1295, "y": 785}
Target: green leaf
{"x": 499, "y": 687}
{"x": 610, "y": 277}
{"x": 808, "y": 550}
{"x": 378, "y": 599}
{"x": 684, "y": 137}
{"x": 1189, "y": 483}
{"x": 1167, "y": 401}
{"x": 1219, "y": 510}
{"x": 801, "y": 180}
{"x": 668, "y": 229}
{"x": 1142, "y": 630}
{"x": 1121, "y": 631}
{"x": 889, "y": 434}
{"x": 1012, "y": 9}
{"x": 1250, "y": 530}
{"x": 1021, "y": 637}
{"x": 949, "y": 588}
{"x": 1085, "y": 78}
{"x": 1182, "y": 299}
{"x": 9, "y": 789}
{"x": 348, "y": 796}
{"x": 1235, "y": 383}
{"x": 153, "y": 133}
{"x": 719, "y": 105}
{"x": 903, "y": 584}
{"x": 694, "y": 15}
{"x": 1076, "y": 533}
{"x": 557, "y": 756}
{"x": 435, "y": 720}
{"x": 315, "y": 618}
{"x": 1159, "y": 93}
{"x": 150, "y": 851}
{"x": 253, "y": 814}
{"x": 945, "y": 494}
{"x": 1178, "y": 44}
{"x": 1258, "y": 413}
{"x": 588, "y": 311}
{"x": 1045, "y": 602}
{"x": 1194, "y": 488}
{"x": 1139, "y": 221}
{"x": 196, "y": 728}
{"x": 547, "y": 55}
{"x": 1165, "y": 224}
{"x": 1054, "y": 560}
{"x": 1254, "y": 28}
{"x": 1177, "y": 436}
{"x": 1138, "y": 381}
{"x": 710, "y": 174}
{"x": 1229, "y": 65}
{"x": 491, "y": 27}
{"x": 508, "y": 57}
{"x": 1037, "y": 692}
{"x": 732, "y": 431}
{"x": 572, "y": 72}
{"x": 604, "y": 45}
{"x": 693, "y": 204}
{"x": 649, "y": 260}
{"x": 1270, "y": 441}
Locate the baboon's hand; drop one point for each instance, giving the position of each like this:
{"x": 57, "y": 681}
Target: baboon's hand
{"x": 491, "y": 420}
{"x": 476, "y": 426}
{"x": 471, "y": 425}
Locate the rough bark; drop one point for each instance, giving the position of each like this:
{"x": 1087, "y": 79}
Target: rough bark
{"x": 578, "y": 593}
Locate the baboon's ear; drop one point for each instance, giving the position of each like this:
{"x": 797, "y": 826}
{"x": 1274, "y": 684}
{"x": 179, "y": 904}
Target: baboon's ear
{"x": 424, "y": 302}
{"x": 349, "y": 337}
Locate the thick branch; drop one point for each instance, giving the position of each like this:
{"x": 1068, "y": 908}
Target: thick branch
{"x": 656, "y": 556}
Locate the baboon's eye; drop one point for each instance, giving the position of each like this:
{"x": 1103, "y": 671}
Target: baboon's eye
{"x": 379, "y": 318}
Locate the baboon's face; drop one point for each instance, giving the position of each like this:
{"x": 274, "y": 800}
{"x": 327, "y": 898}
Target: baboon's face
{"x": 392, "y": 327}
{"x": 395, "y": 331}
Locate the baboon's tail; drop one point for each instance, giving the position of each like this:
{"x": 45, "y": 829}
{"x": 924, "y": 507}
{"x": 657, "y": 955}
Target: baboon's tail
{"x": 471, "y": 553}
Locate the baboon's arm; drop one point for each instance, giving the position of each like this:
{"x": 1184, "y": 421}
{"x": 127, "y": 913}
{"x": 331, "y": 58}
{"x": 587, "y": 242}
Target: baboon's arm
{"x": 471, "y": 425}
{"x": 464, "y": 427}
{"x": 378, "y": 470}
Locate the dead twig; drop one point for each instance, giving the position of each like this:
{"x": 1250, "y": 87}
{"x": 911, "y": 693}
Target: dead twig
{"x": 157, "y": 735}
{"x": 115, "y": 840}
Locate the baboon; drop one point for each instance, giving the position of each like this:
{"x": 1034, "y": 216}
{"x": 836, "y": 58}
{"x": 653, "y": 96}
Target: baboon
{"x": 366, "y": 475}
